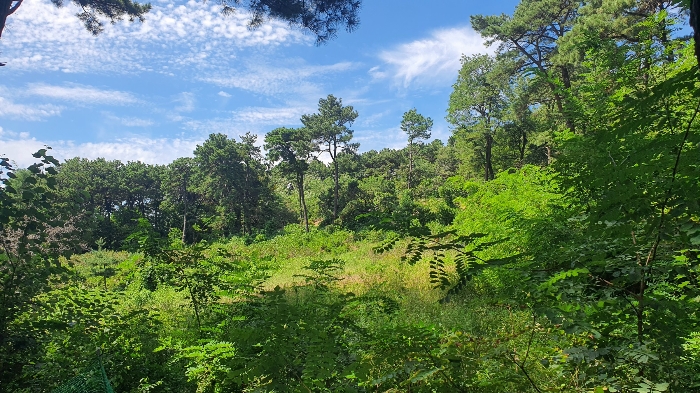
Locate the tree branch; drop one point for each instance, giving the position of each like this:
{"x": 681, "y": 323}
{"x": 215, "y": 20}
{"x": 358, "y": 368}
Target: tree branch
{"x": 652, "y": 252}
{"x": 14, "y": 8}
{"x": 520, "y": 366}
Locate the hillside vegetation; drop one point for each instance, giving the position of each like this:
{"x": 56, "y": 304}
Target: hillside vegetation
{"x": 551, "y": 245}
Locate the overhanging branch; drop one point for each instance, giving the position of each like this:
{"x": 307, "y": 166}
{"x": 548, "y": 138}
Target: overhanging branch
{"x": 14, "y": 7}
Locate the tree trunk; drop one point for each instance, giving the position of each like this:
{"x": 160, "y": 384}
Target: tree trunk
{"x": 193, "y": 299}
{"x": 488, "y": 167}
{"x": 335, "y": 176}
{"x": 695, "y": 24}
{"x": 565, "y": 77}
{"x": 304, "y": 211}
{"x": 410, "y": 163}
{"x": 7, "y": 9}
{"x": 560, "y": 106}
{"x": 244, "y": 205}
{"x": 184, "y": 220}
{"x": 523, "y": 147}
{"x": 301, "y": 206}
{"x": 110, "y": 230}
{"x": 640, "y": 313}
{"x": 156, "y": 218}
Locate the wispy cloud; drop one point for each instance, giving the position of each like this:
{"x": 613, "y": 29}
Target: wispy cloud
{"x": 293, "y": 79}
{"x": 373, "y": 119}
{"x": 226, "y": 126}
{"x": 136, "y": 122}
{"x": 130, "y": 121}
{"x": 432, "y": 61}
{"x": 153, "y": 151}
{"x": 36, "y": 112}
{"x": 224, "y": 94}
{"x": 174, "y": 37}
{"x": 256, "y": 119}
{"x": 271, "y": 116}
{"x": 186, "y": 101}
{"x": 13, "y": 135}
{"x": 81, "y": 94}
{"x": 392, "y": 138}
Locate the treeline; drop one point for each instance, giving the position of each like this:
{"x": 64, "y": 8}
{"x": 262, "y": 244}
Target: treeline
{"x": 223, "y": 190}
{"x": 231, "y": 188}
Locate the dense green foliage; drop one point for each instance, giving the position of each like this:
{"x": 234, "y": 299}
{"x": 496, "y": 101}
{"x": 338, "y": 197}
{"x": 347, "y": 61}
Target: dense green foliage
{"x": 552, "y": 245}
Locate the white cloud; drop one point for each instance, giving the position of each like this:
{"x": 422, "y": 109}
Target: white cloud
{"x": 258, "y": 120}
{"x": 292, "y": 79}
{"x": 431, "y": 61}
{"x": 174, "y": 37}
{"x": 11, "y": 134}
{"x": 152, "y": 151}
{"x": 392, "y": 138}
{"x": 130, "y": 121}
{"x": 224, "y": 94}
{"x": 27, "y": 112}
{"x": 187, "y": 102}
{"x": 211, "y": 126}
{"x": 20, "y": 150}
{"x": 271, "y": 116}
{"x": 373, "y": 119}
{"x": 81, "y": 94}
{"x": 377, "y": 73}
{"x": 136, "y": 122}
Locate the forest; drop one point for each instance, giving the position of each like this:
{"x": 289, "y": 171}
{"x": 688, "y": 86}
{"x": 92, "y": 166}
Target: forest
{"x": 552, "y": 244}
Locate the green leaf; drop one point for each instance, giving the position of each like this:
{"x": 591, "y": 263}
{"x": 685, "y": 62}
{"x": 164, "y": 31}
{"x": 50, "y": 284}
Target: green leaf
{"x": 422, "y": 375}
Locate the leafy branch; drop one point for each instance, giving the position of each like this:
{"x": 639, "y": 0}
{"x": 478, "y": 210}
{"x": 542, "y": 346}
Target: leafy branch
{"x": 465, "y": 250}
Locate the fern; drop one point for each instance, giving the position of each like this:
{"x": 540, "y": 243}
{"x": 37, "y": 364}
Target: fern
{"x": 464, "y": 250}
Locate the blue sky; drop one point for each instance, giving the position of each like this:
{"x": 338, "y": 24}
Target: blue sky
{"x": 152, "y": 91}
